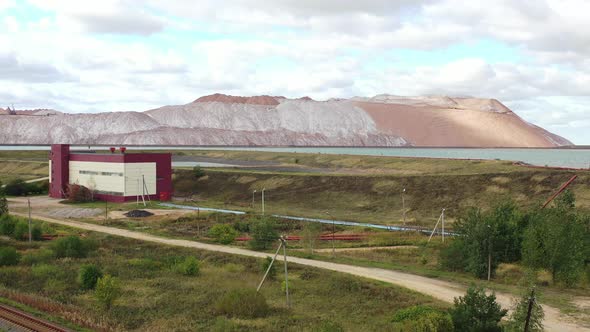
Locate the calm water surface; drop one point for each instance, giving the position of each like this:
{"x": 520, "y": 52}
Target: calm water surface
{"x": 574, "y": 158}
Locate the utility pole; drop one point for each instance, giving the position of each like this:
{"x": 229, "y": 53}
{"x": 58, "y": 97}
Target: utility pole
{"x": 30, "y": 233}
{"x": 333, "y": 233}
{"x": 106, "y": 209}
{"x": 404, "y": 205}
{"x": 254, "y": 192}
{"x": 263, "y": 189}
{"x": 443, "y": 225}
{"x": 489, "y": 254}
{"x": 269, "y": 267}
{"x": 530, "y": 310}
{"x": 284, "y": 243}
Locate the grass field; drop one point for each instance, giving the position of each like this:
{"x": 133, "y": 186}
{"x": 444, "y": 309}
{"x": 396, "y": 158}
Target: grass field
{"x": 26, "y": 170}
{"x": 156, "y": 297}
{"x": 376, "y": 198}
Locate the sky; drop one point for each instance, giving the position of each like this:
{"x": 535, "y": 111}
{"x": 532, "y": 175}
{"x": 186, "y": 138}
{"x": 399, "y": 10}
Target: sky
{"x": 132, "y": 55}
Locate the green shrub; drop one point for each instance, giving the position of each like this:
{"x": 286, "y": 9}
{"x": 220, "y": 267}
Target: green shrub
{"x": 37, "y": 256}
{"x": 223, "y": 233}
{"x": 3, "y": 203}
{"x": 477, "y": 311}
{"x": 107, "y": 291}
{"x": 36, "y": 233}
{"x": 452, "y": 257}
{"x": 242, "y": 303}
{"x": 308, "y": 274}
{"x": 7, "y": 224}
{"x": 21, "y": 231}
{"x": 46, "y": 271}
{"x": 8, "y": 256}
{"x": 264, "y": 234}
{"x": 223, "y": 324}
{"x": 328, "y": 326}
{"x": 70, "y": 246}
{"x": 189, "y": 266}
{"x": 88, "y": 276}
{"x": 16, "y": 187}
{"x": 292, "y": 288}
{"x": 264, "y": 266}
{"x": 423, "y": 319}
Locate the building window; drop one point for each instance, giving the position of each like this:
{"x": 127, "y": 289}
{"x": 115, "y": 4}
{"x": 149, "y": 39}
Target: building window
{"x": 101, "y": 173}
{"x": 111, "y": 193}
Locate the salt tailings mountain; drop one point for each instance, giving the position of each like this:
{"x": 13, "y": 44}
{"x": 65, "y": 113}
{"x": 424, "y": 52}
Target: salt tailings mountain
{"x": 218, "y": 119}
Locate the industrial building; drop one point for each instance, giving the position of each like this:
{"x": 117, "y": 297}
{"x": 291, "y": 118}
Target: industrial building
{"x": 114, "y": 176}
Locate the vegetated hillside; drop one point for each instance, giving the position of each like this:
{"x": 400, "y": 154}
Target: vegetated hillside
{"x": 377, "y": 198}
{"x": 218, "y": 119}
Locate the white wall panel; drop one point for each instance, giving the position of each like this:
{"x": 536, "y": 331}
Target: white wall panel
{"x": 133, "y": 174}
{"x": 106, "y": 177}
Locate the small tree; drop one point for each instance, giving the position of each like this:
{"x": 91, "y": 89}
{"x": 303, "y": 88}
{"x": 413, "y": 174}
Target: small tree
{"x": 477, "y": 312}
{"x": 198, "y": 172}
{"x": 520, "y": 309}
{"x": 8, "y": 256}
{"x": 107, "y": 291}
{"x": 88, "y": 276}
{"x": 310, "y": 235}
{"x": 263, "y": 233}
{"x": 556, "y": 241}
{"x": 223, "y": 233}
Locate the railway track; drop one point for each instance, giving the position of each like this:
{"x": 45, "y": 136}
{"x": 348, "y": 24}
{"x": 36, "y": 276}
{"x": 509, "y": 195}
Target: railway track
{"x": 25, "y": 322}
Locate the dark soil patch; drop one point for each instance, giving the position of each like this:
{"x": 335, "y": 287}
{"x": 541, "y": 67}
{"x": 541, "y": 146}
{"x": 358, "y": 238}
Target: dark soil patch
{"x": 138, "y": 214}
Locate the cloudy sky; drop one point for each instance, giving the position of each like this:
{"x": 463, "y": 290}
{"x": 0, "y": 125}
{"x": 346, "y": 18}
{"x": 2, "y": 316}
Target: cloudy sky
{"x": 116, "y": 55}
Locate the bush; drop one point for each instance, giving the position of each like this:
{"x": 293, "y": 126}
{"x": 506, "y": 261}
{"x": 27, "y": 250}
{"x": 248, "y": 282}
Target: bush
{"x": 263, "y": 234}
{"x": 3, "y": 203}
{"x": 328, "y": 326}
{"x": 88, "y": 276}
{"x": 223, "y": 233}
{"x": 36, "y": 233}
{"x": 223, "y": 324}
{"x": 242, "y": 303}
{"x": 78, "y": 194}
{"x": 198, "y": 172}
{"x": 8, "y": 256}
{"x": 16, "y": 187}
{"x": 107, "y": 291}
{"x": 71, "y": 246}
{"x": 46, "y": 271}
{"x": 21, "y": 231}
{"x": 37, "y": 257}
{"x": 308, "y": 274}
{"x": 423, "y": 319}
{"x": 7, "y": 224}
{"x": 477, "y": 312}
{"x": 452, "y": 257}
{"x": 519, "y": 313}
{"x": 189, "y": 266}
{"x": 264, "y": 266}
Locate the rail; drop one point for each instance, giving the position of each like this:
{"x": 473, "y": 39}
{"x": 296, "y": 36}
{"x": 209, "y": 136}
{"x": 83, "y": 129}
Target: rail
{"x": 26, "y": 321}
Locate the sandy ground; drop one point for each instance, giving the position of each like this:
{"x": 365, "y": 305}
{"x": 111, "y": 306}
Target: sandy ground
{"x": 435, "y": 126}
{"x": 442, "y": 290}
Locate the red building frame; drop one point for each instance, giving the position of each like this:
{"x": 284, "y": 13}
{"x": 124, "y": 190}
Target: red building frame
{"x": 61, "y": 156}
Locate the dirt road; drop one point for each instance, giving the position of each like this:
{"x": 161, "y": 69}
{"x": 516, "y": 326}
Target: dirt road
{"x": 442, "y": 290}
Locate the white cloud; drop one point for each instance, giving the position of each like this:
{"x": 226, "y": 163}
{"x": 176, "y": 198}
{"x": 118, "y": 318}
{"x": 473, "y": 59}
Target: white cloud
{"x": 322, "y": 49}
